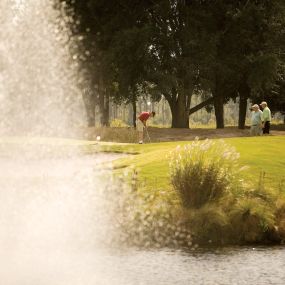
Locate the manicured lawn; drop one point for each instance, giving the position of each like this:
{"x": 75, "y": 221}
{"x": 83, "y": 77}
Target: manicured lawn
{"x": 265, "y": 154}
{"x": 151, "y": 160}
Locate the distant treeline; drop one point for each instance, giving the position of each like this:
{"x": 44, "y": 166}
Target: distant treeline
{"x": 217, "y": 50}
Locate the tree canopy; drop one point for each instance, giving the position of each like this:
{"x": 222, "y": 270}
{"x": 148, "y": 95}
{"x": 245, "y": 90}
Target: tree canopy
{"x": 177, "y": 48}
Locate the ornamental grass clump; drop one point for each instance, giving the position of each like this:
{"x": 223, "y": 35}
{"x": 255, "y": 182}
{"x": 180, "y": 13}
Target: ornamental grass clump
{"x": 252, "y": 220}
{"x": 203, "y": 171}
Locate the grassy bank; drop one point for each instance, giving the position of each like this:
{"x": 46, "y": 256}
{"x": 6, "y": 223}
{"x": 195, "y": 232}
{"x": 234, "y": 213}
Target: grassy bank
{"x": 260, "y": 154}
{"x": 256, "y": 210}
{"x": 151, "y": 212}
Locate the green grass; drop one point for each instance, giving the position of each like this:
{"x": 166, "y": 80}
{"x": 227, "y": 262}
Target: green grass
{"x": 265, "y": 154}
{"x": 150, "y": 160}
{"x": 242, "y": 217}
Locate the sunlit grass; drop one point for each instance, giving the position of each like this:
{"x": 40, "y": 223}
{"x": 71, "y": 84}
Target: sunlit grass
{"x": 260, "y": 154}
{"x": 266, "y": 154}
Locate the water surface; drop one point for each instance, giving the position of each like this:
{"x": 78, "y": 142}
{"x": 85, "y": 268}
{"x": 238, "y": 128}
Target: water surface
{"x": 54, "y": 224}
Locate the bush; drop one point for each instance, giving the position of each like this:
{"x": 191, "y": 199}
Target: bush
{"x": 209, "y": 224}
{"x": 202, "y": 171}
{"x": 252, "y": 219}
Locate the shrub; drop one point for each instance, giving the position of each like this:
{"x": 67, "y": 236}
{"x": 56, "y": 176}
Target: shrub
{"x": 202, "y": 171}
{"x": 209, "y": 224}
{"x": 252, "y": 219}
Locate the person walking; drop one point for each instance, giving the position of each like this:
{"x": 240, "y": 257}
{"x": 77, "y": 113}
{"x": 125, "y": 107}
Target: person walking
{"x": 256, "y": 121}
{"x": 266, "y": 117}
{"x": 141, "y": 123}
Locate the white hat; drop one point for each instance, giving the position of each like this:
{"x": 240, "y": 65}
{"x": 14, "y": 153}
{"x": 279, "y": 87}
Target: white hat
{"x": 263, "y": 103}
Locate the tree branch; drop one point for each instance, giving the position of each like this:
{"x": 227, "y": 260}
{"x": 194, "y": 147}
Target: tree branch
{"x": 201, "y": 105}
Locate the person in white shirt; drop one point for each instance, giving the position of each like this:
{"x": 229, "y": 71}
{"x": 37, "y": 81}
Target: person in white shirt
{"x": 256, "y": 121}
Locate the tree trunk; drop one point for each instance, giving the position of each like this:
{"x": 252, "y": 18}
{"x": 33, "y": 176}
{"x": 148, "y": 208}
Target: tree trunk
{"x": 130, "y": 114}
{"x": 242, "y": 112}
{"x": 103, "y": 104}
{"x": 163, "y": 111}
{"x": 180, "y": 121}
{"x": 124, "y": 113}
{"x": 219, "y": 111}
{"x": 106, "y": 113}
{"x": 89, "y": 100}
{"x": 115, "y": 111}
{"x": 244, "y": 94}
{"x": 180, "y": 118}
{"x": 101, "y": 91}
{"x": 134, "y": 105}
{"x": 218, "y": 102}
{"x": 180, "y": 114}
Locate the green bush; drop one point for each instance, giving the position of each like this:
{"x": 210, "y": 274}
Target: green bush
{"x": 202, "y": 171}
{"x": 252, "y": 219}
{"x": 209, "y": 224}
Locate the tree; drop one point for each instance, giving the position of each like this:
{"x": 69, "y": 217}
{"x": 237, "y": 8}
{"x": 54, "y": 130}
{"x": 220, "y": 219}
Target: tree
{"x": 177, "y": 47}
{"x": 245, "y": 36}
{"x": 250, "y": 43}
{"x": 114, "y": 49}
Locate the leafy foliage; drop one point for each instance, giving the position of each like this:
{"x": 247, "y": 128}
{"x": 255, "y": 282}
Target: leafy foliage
{"x": 223, "y": 48}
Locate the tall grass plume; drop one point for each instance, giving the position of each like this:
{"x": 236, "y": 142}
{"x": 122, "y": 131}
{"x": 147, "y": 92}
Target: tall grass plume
{"x": 202, "y": 171}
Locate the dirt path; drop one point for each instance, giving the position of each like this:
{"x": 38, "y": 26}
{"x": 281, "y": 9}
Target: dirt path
{"x": 163, "y": 134}
{"x": 129, "y": 135}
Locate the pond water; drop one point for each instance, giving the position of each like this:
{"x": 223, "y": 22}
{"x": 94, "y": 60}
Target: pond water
{"x": 161, "y": 267}
{"x": 53, "y": 220}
